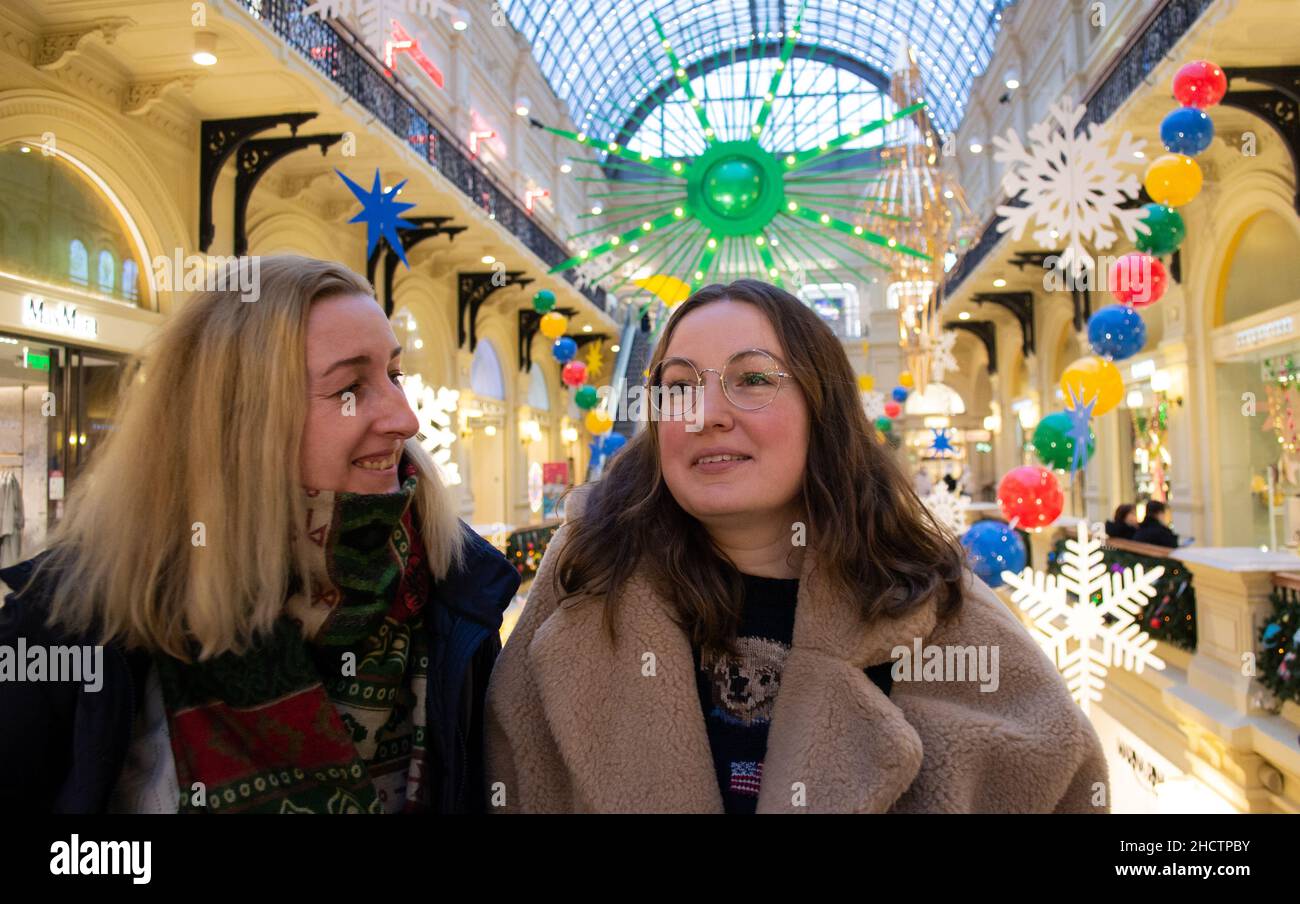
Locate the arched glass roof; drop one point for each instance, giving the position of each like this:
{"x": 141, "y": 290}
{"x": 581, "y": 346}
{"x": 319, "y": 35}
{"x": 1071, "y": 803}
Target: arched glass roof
{"x": 603, "y": 57}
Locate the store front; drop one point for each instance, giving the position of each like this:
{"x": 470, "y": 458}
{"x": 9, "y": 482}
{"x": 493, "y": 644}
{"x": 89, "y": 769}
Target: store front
{"x": 1256, "y": 355}
{"x": 74, "y": 304}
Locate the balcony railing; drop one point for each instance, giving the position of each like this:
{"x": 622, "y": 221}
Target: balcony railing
{"x": 1164, "y": 27}
{"x": 345, "y": 62}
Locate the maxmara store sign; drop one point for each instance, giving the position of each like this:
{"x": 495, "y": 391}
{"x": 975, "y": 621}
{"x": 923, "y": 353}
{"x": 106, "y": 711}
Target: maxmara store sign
{"x": 58, "y": 317}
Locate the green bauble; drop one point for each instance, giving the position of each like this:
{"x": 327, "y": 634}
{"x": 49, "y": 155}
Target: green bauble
{"x": 586, "y": 397}
{"x": 732, "y": 186}
{"x": 1167, "y": 230}
{"x": 543, "y": 301}
{"x": 884, "y": 424}
{"x": 1054, "y": 446}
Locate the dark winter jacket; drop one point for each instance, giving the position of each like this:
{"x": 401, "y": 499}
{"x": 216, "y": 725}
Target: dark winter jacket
{"x": 62, "y": 747}
{"x": 1153, "y": 531}
{"x": 1120, "y": 530}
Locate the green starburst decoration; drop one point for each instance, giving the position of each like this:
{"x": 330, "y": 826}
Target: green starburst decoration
{"x": 738, "y": 206}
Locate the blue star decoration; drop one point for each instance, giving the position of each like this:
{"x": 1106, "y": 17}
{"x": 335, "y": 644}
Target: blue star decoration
{"x": 1080, "y": 415}
{"x": 941, "y": 442}
{"x": 382, "y": 214}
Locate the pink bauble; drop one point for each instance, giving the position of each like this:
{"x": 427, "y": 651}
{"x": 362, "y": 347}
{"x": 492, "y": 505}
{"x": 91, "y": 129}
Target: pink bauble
{"x": 1200, "y": 84}
{"x": 1138, "y": 279}
{"x": 574, "y": 373}
{"x": 1031, "y": 496}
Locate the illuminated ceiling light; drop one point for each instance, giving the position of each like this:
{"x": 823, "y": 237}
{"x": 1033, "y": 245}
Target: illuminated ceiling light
{"x": 792, "y": 206}
{"x": 999, "y": 283}
{"x": 1012, "y": 80}
{"x": 595, "y": 210}
{"x": 566, "y": 168}
{"x": 964, "y": 315}
{"x": 489, "y": 259}
{"x": 586, "y": 327}
{"x": 521, "y": 106}
{"x": 948, "y": 194}
{"x": 678, "y": 212}
{"x": 976, "y": 147}
{"x": 614, "y": 348}
{"x": 677, "y": 167}
{"x": 460, "y": 21}
{"x": 205, "y": 48}
{"x": 647, "y": 226}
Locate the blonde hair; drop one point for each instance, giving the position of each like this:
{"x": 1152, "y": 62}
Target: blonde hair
{"x": 208, "y": 432}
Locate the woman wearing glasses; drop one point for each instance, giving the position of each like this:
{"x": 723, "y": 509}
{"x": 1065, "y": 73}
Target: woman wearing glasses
{"x": 752, "y": 611}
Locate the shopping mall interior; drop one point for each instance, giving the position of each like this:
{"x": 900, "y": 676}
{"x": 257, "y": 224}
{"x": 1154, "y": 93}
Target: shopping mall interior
{"x": 1059, "y": 241}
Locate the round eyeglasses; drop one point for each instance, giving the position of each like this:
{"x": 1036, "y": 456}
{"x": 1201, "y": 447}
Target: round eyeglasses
{"x": 751, "y": 379}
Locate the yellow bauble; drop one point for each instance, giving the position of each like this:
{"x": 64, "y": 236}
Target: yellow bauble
{"x": 905, "y": 380}
{"x": 1093, "y": 378}
{"x": 1173, "y": 180}
{"x": 554, "y": 324}
{"x": 599, "y": 422}
{"x": 866, "y": 382}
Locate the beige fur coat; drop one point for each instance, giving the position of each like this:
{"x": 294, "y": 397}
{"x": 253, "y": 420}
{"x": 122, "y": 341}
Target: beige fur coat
{"x": 576, "y": 724}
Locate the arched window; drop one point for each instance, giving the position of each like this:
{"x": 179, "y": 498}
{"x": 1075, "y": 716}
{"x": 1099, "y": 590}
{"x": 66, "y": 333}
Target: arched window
{"x": 485, "y": 372}
{"x": 78, "y": 263}
{"x": 106, "y": 273}
{"x": 130, "y": 281}
{"x": 539, "y": 398}
{"x": 81, "y": 236}
{"x": 1265, "y": 270}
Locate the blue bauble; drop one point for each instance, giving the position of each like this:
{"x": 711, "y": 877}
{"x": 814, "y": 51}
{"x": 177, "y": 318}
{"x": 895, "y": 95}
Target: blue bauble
{"x": 1117, "y": 332}
{"x": 1271, "y": 632}
{"x": 1187, "y": 131}
{"x": 899, "y": 394}
{"x": 992, "y": 548}
{"x": 613, "y": 442}
{"x": 564, "y": 349}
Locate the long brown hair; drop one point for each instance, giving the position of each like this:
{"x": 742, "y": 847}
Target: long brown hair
{"x": 871, "y": 532}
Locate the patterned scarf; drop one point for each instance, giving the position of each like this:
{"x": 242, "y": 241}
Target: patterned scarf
{"x": 326, "y": 715}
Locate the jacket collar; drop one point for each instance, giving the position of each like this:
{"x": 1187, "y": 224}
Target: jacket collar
{"x": 629, "y": 712}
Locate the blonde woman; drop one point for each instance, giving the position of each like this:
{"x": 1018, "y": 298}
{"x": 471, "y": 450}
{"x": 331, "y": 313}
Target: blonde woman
{"x": 292, "y": 617}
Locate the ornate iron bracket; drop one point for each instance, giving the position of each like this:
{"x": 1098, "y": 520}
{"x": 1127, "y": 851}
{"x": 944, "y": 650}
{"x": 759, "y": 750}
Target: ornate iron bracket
{"x": 1279, "y": 106}
{"x": 256, "y": 157}
{"x": 473, "y": 289}
{"x": 218, "y": 139}
{"x": 1021, "y": 306}
{"x": 985, "y": 331}
{"x": 426, "y": 228}
{"x": 530, "y": 323}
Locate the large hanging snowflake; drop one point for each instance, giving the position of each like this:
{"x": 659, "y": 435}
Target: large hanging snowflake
{"x": 1073, "y": 185}
{"x": 948, "y": 508}
{"x": 1084, "y": 637}
{"x": 435, "y": 411}
{"x": 942, "y": 359}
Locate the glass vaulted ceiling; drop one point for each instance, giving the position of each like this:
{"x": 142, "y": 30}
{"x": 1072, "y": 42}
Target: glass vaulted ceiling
{"x": 603, "y": 57}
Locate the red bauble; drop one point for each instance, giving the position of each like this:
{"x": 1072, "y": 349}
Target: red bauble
{"x": 574, "y": 373}
{"x": 1031, "y": 495}
{"x": 1138, "y": 279}
{"x": 1200, "y": 84}
{"x": 893, "y": 409}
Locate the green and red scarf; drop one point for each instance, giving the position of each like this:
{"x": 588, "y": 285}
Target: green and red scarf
{"x": 326, "y": 715}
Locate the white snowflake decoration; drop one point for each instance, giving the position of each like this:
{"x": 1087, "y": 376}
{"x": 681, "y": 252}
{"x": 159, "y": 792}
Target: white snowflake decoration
{"x": 948, "y": 508}
{"x": 1072, "y": 184}
{"x": 435, "y": 409}
{"x": 1076, "y": 634}
{"x": 942, "y": 359}
{"x": 873, "y": 403}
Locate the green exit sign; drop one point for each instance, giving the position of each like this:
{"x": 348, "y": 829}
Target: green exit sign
{"x": 35, "y": 360}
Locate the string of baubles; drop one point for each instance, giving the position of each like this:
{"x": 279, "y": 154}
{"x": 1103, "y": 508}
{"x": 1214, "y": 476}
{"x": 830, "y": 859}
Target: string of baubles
{"x": 1030, "y": 496}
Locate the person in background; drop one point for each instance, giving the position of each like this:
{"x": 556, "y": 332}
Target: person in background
{"x": 1124, "y": 524}
{"x": 1154, "y": 528}
{"x": 950, "y": 482}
